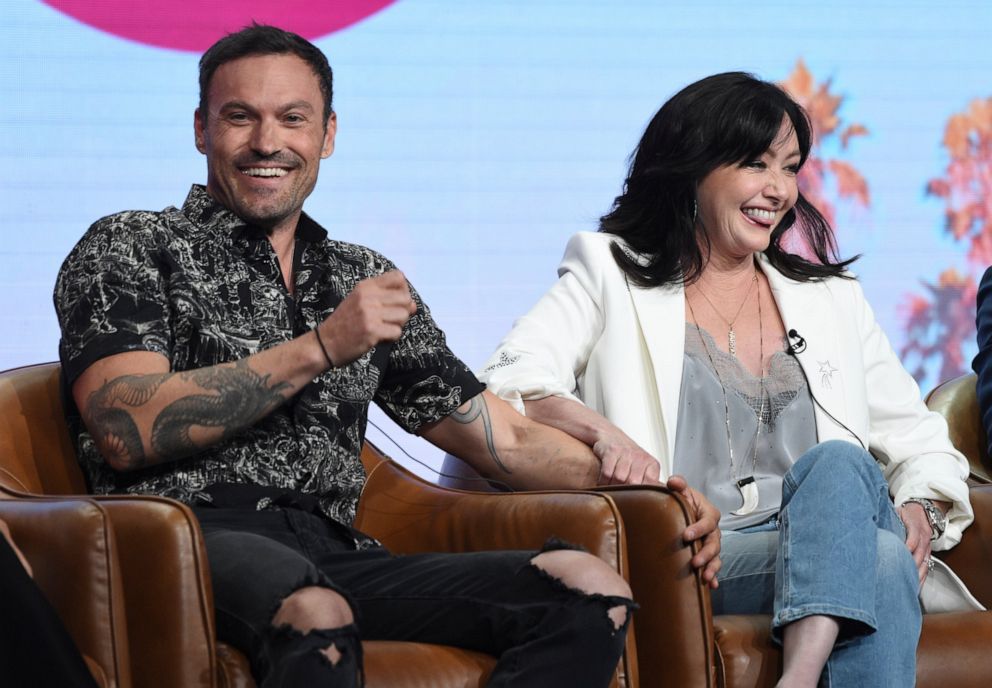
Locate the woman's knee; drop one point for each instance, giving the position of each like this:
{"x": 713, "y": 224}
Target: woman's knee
{"x": 836, "y": 461}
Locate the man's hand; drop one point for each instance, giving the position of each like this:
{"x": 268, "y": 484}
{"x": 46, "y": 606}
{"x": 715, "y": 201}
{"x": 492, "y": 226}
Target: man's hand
{"x": 5, "y": 533}
{"x": 704, "y": 528}
{"x": 918, "y": 535}
{"x": 374, "y": 312}
{"x": 623, "y": 462}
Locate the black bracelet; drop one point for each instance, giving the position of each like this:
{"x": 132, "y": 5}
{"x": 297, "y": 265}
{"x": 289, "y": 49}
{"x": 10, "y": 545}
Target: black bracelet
{"x": 327, "y": 356}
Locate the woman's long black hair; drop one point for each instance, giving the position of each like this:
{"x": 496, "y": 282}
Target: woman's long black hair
{"x": 720, "y": 120}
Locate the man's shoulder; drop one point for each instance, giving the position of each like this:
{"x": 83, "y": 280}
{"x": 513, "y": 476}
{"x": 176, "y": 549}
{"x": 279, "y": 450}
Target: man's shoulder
{"x": 365, "y": 259}
{"x": 131, "y": 227}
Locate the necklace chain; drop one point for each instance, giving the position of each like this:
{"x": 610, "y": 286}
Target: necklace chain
{"x": 723, "y": 388}
{"x": 731, "y": 334}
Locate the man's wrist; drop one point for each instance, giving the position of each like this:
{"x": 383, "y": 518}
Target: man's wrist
{"x": 323, "y": 347}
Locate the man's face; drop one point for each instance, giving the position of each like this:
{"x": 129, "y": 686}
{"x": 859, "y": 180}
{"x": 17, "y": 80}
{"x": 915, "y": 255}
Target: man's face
{"x": 264, "y": 137}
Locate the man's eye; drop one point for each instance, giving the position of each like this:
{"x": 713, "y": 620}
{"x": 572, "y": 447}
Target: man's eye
{"x": 295, "y": 119}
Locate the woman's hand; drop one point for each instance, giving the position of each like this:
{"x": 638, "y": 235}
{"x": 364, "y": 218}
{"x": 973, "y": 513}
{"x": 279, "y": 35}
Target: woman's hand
{"x": 918, "y": 534}
{"x": 5, "y": 533}
{"x": 704, "y": 528}
{"x": 622, "y": 462}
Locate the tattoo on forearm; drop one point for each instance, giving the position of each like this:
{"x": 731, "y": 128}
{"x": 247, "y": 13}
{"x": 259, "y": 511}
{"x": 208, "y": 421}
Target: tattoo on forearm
{"x": 239, "y": 397}
{"x": 119, "y": 432}
{"x": 242, "y": 397}
{"x": 477, "y": 408}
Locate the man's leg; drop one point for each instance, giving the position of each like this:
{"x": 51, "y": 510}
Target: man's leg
{"x": 555, "y": 617}
{"x": 295, "y": 625}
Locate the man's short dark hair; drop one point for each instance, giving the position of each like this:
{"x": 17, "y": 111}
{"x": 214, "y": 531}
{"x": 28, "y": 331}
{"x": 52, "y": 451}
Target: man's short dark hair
{"x": 260, "y": 39}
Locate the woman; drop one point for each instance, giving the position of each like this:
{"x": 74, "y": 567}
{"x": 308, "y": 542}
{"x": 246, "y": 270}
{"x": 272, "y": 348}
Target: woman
{"x": 685, "y": 333}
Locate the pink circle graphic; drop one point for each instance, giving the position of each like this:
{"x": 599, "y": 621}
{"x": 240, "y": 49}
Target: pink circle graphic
{"x": 194, "y": 26}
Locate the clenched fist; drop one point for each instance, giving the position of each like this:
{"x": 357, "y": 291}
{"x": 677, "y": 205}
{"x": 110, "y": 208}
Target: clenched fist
{"x": 374, "y": 312}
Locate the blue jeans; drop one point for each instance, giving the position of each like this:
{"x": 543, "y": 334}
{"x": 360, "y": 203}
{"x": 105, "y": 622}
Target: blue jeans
{"x": 837, "y": 548}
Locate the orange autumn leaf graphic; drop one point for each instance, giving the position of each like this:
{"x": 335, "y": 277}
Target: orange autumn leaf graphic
{"x": 940, "y": 323}
{"x": 966, "y": 186}
{"x": 824, "y": 180}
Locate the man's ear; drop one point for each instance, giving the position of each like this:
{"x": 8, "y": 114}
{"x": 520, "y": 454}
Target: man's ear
{"x": 198, "y": 126}
{"x": 330, "y": 131}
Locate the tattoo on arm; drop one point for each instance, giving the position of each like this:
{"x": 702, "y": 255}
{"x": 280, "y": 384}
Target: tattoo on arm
{"x": 116, "y": 426}
{"x": 242, "y": 396}
{"x": 477, "y": 408}
{"x": 239, "y": 396}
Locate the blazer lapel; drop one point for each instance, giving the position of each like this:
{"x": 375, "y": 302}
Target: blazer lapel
{"x": 661, "y": 316}
{"x": 807, "y": 309}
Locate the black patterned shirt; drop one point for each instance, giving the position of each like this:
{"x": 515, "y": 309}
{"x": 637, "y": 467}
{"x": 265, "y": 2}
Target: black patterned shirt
{"x": 200, "y": 287}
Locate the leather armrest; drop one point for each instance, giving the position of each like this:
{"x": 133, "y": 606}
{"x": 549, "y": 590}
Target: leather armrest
{"x": 407, "y": 515}
{"x": 970, "y": 558}
{"x": 169, "y": 601}
{"x": 71, "y": 548}
{"x": 675, "y": 621}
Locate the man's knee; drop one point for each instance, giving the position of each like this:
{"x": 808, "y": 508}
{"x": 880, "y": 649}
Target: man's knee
{"x": 587, "y": 574}
{"x": 313, "y": 607}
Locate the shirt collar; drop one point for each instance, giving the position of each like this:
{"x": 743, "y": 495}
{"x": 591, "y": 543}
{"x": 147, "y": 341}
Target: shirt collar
{"x": 201, "y": 208}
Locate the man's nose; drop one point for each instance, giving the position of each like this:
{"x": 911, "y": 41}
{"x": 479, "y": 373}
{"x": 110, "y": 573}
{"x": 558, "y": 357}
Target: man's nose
{"x": 265, "y": 138}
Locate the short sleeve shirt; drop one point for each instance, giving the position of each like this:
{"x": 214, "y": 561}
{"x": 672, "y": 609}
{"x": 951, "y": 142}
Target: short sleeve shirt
{"x": 201, "y": 287}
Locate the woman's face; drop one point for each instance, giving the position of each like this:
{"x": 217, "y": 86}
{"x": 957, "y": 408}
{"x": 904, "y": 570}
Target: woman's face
{"x": 740, "y": 204}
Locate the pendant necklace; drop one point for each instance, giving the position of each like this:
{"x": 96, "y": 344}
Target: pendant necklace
{"x": 747, "y": 486}
{"x": 731, "y": 335}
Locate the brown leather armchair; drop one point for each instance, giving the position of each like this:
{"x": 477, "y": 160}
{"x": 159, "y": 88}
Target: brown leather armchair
{"x": 957, "y": 402}
{"x": 165, "y": 632}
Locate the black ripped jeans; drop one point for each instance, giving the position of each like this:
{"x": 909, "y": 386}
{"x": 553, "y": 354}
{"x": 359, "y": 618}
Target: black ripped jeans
{"x": 542, "y": 633}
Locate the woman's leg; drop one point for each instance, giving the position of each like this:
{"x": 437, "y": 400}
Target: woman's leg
{"x": 842, "y": 555}
{"x": 886, "y": 657}
{"x": 747, "y": 577}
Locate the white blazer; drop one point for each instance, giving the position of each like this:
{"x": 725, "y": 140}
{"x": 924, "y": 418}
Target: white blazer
{"x": 619, "y": 349}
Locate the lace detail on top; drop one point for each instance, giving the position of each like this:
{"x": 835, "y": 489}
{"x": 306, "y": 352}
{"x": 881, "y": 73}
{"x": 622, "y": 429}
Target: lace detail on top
{"x": 782, "y": 384}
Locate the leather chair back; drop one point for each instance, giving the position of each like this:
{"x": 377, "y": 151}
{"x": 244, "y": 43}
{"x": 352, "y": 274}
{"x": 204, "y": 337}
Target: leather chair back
{"x": 36, "y": 454}
{"x": 957, "y": 402}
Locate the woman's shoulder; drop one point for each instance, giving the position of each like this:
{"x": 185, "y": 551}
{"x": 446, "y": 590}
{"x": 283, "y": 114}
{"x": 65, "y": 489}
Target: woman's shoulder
{"x": 594, "y": 249}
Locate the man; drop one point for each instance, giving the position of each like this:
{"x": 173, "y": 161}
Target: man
{"x": 982, "y": 363}
{"x": 225, "y": 354}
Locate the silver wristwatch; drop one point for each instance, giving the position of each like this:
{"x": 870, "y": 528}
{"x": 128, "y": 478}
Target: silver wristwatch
{"x": 936, "y": 517}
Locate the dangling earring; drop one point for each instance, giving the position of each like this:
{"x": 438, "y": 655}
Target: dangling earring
{"x": 695, "y": 211}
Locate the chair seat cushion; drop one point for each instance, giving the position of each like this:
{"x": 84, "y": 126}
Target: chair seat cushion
{"x": 953, "y": 651}
{"x": 393, "y": 664}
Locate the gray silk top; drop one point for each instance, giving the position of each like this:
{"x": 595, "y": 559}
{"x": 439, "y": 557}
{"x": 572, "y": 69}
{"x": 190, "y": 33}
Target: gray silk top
{"x": 788, "y": 428}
